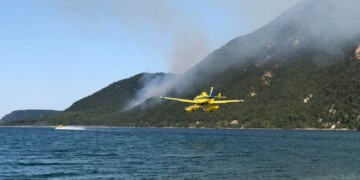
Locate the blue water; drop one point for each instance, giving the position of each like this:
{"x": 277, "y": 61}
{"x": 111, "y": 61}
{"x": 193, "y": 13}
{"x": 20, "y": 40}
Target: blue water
{"x": 121, "y": 153}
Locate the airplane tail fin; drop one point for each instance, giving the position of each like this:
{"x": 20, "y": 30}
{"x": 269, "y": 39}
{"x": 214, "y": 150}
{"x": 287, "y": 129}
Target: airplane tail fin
{"x": 220, "y": 97}
{"x": 211, "y": 94}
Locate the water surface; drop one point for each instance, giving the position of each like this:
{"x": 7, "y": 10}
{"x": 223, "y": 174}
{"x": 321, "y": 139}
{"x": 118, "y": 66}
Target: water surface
{"x": 127, "y": 153}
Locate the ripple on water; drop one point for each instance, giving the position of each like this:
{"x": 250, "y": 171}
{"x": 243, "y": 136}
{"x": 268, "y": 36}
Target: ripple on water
{"x": 40, "y": 153}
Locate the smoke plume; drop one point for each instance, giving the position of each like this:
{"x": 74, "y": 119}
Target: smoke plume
{"x": 311, "y": 23}
{"x": 190, "y": 46}
{"x": 154, "y": 85}
{"x": 188, "y": 39}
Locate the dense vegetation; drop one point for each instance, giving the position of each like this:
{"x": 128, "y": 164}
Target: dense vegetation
{"x": 332, "y": 90}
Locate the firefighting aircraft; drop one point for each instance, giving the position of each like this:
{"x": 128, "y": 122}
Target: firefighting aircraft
{"x": 208, "y": 103}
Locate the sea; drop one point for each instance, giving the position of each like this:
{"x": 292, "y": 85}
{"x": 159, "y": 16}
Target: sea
{"x": 170, "y": 153}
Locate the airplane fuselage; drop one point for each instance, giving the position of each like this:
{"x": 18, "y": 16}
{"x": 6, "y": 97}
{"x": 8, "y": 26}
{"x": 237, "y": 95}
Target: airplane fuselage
{"x": 205, "y": 107}
{"x": 202, "y": 101}
{"x": 208, "y": 103}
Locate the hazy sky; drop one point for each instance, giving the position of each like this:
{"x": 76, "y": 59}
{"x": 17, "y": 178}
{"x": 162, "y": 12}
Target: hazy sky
{"x": 54, "y": 52}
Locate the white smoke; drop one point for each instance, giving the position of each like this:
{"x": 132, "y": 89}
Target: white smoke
{"x": 153, "y": 87}
{"x": 190, "y": 47}
{"x": 189, "y": 33}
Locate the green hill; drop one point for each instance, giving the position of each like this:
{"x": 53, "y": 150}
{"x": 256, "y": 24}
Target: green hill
{"x": 296, "y": 94}
{"x": 28, "y": 114}
{"x": 300, "y": 70}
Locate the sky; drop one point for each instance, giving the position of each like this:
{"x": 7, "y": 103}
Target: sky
{"x": 55, "y": 52}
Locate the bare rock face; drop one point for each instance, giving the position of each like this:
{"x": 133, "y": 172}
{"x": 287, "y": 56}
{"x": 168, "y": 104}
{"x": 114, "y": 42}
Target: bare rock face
{"x": 307, "y": 99}
{"x": 357, "y": 52}
{"x": 266, "y": 78}
{"x": 252, "y": 94}
{"x": 333, "y": 127}
{"x": 234, "y": 122}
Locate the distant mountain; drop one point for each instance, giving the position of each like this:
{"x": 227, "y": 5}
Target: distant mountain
{"x": 28, "y": 114}
{"x": 300, "y": 70}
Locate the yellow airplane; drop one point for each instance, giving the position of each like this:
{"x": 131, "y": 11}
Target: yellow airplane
{"x": 208, "y": 103}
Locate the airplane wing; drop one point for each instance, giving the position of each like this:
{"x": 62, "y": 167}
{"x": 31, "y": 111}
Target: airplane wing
{"x": 226, "y": 101}
{"x": 177, "y": 99}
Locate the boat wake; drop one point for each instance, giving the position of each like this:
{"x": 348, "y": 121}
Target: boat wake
{"x": 70, "y": 128}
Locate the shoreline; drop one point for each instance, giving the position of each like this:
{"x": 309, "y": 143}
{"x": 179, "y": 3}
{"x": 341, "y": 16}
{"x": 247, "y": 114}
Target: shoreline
{"x": 241, "y": 128}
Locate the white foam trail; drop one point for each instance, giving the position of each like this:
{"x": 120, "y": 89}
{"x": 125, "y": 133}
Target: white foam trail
{"x": 70, "y": 128}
